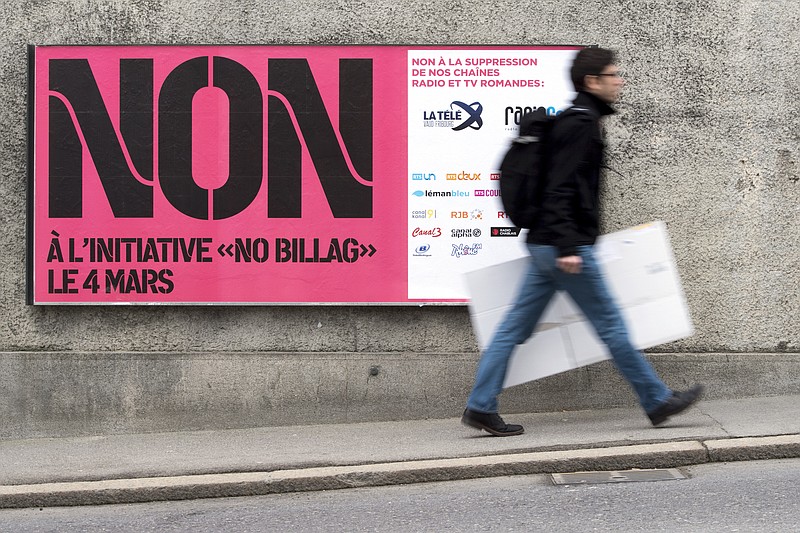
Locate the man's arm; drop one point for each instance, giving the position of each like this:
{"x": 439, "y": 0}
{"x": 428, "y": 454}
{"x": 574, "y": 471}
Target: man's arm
{"x": 572, "y": 143}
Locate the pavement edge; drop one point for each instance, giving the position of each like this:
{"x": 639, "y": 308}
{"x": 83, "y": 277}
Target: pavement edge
{"x": 637, "y": 456}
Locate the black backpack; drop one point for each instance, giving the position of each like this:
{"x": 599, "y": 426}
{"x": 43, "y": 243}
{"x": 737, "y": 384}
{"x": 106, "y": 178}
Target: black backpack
{"x": 523, "y": 169}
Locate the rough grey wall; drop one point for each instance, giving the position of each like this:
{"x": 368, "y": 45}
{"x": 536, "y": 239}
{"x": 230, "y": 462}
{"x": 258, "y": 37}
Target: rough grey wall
{"x": 85, "y": 393}
{"x": 706, "y": 139}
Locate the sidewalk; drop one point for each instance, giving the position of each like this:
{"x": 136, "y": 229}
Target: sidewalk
{"x": 241, "y": 462}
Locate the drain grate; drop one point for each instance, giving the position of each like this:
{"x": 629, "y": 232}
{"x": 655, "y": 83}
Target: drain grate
{"x": 617, "y": 476}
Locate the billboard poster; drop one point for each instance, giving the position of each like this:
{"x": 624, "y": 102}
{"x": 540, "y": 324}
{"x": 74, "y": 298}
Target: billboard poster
{"x": 274, "y": 174}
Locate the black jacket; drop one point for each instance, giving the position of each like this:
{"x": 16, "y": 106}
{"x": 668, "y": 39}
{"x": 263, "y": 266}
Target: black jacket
{"x": 570, "y": 212}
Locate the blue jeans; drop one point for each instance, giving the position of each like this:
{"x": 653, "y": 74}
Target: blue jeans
{"x": 588, "y": 290}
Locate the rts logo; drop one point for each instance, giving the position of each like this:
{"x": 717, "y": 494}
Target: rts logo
{"x": 420, "y": 176}
{"x": 494, "y": 176}
{"x": 463, "y": 176}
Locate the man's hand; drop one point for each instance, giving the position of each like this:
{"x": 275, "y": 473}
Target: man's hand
{"x": 571, "y": 264}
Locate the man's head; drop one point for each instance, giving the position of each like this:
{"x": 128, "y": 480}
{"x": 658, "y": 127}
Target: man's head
{"x": 594, "y": 72}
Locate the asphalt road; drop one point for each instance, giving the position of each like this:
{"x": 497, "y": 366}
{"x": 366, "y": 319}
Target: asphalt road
{"x": 746, "y": 496}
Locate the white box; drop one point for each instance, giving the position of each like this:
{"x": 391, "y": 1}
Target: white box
{"x": 641, "y": 274}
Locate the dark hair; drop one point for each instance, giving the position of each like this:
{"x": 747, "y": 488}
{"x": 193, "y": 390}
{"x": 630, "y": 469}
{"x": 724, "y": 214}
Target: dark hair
{"x": 589, "y": 62}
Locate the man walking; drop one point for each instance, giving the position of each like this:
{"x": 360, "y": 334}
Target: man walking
{"x": 562, "y": 257}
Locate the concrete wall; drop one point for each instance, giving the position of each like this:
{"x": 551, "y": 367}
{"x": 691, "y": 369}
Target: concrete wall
{"x": 706, "y": 138}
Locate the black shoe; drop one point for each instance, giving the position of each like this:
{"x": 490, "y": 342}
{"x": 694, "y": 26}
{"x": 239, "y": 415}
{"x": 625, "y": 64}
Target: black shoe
{"x": 678, "y": 402}
{"x": 490, "y": 422}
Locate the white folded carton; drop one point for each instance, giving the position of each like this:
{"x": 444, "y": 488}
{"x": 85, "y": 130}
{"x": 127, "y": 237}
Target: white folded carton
{"x": 641, "y": 273}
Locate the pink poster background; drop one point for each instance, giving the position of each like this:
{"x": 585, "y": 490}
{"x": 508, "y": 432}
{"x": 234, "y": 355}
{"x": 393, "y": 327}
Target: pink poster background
{"x": 381, "y": 277}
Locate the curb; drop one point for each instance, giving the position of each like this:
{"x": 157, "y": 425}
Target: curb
{"x": 638, "y": 456}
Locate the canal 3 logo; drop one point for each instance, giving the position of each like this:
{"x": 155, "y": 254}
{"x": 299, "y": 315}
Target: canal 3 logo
{"x": 460, "y": 116}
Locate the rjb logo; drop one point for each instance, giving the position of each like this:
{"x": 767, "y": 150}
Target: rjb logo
{"x": 124, "y": 161}
{"x": 475, "y": 214}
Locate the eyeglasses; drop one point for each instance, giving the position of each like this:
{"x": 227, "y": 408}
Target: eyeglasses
{"x": 617, "y": 74}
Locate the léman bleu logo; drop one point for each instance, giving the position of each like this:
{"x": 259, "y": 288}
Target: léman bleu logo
{"x": 440, "y": 194}
{"x": 124, "y": 162}
{"x": 460, "y": 116}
